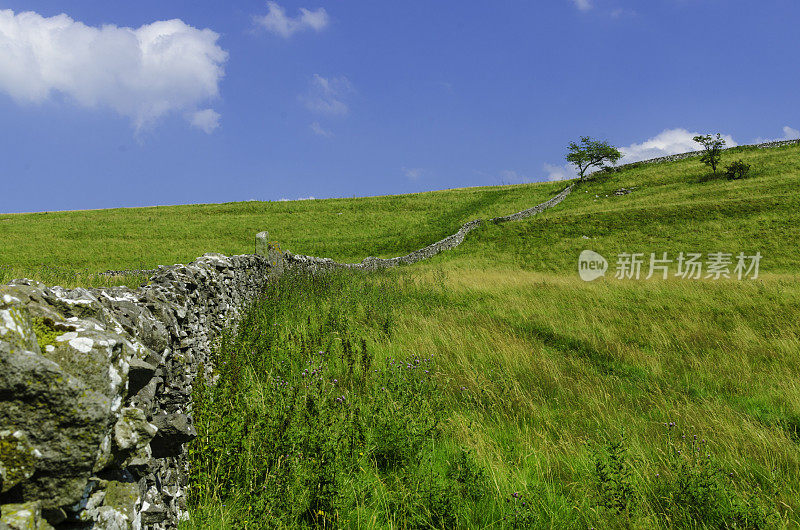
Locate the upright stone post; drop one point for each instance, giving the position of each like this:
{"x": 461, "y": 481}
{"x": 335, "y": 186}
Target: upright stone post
{"x": 262, "y": 244}
{"x": 270, "y": 250}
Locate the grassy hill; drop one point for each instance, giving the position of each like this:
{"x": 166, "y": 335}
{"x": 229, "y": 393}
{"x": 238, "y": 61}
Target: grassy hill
{"x": 490, "y": 387}
{"x": 673, "y": 208}
{"x": 69, "y": 247}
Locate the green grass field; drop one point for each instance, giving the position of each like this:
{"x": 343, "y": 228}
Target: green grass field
{"x": 490, "y": 387}
{"x": 69, "y": 248}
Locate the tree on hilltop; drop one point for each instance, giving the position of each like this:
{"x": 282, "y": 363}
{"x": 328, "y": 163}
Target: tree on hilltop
{"x": 712, "y": 150}
{"x": 591, "y": 153}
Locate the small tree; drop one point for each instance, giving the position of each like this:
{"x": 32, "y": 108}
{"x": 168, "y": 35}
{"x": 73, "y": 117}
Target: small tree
{"x": 591, "y": 153}
{"x": 712, "y": 150}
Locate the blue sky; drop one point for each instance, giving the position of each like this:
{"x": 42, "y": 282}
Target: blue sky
{"x": 173, "y": 102}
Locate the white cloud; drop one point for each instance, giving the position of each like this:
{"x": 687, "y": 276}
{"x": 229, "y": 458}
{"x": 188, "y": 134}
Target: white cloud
{"x": 277, "y": 22}
{"x": 142, "y": 73}
{"x": 206, "y": 120}
{"x": 509, "y": 176}
{"x": 446, "y": 86}
{"x": 583, "y": 5}
{"x": 414, "y": 173}
{"x": 319, "y": 130}
{"x": 667, "y": 142}
{"x": 564, "y": 172}
{"x": 284, "y": 199}
{"x": 620, "y": 13}
{"x": 327, "y": 95}
{"x": 788, "y": 134}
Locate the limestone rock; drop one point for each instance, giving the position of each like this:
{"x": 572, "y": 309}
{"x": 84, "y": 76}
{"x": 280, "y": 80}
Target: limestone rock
{"x": 135, "y": 319}
{"x": 122, "y": 497}
{"x": 153, "y": 513}
{"x": 139, "y": 374}
{"x": 25, "y": 516}
{"x": 112, "y": 505}
{"x": 17, "y": 459}
{"x": 174, "y": 430}
{"x": 132, "y": 433}
{"x": 262, "y": 243}
{"x": 15, "y": 323}
{"x": 81, "y": 370}
{"x": 63, "y": 419}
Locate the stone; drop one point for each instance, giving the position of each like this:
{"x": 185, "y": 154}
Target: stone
{"x": 153, "y": 513}
{"x": 145, "y": 398}
{"x": 108, "y": 518}
{"x": 15, "y": 324}
{"x": 98, "y": 358}
{"x": 136, "y": 319}
{"x": 272, "y": 251}
{"x": 112, "y": 505}
{"x": 139, "y": 375}
{"x": 122, "y": 497}
{"x": 17, "y": 459}
{"x": 24, "y": 516}
{"x": 79, "y": 303}
{"x": 174, "y": 430}
{"x": 63, "y": 419}
{"x": 262, "y": 244}
{"x": 132, "y": 434}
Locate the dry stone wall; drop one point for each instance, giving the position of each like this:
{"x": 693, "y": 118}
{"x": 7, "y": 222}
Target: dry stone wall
{"x": 95, "y": 388}
{"x": 695, "y": 154}
{"x": 371, "y": 263}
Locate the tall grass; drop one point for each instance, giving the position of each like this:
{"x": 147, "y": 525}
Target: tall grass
{"x": 613, "y": 404}
{"x": 581, "y": 401}
{"x": 306, "y": 428}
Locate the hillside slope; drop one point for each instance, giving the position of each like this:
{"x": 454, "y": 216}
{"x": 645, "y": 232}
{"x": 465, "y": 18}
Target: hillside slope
{"x": 54, "y": 246}
{"x": 69, "y": 247}
{"x": 673, "y": 207}
{"x": 546, "y": 401}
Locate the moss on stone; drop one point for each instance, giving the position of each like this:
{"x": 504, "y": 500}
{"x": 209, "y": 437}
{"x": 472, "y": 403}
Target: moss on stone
{"x": 45, "y": 332}
{"x": 122, "y": 496}
{"x": 17, "y": 461}
{"x": 27, "y": 516}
